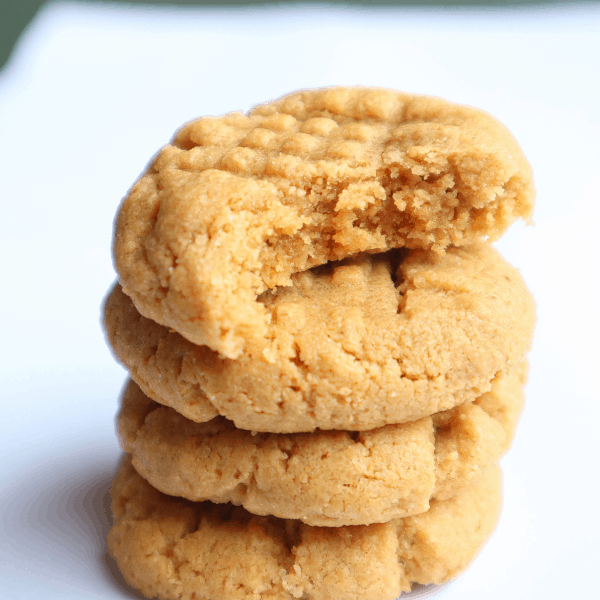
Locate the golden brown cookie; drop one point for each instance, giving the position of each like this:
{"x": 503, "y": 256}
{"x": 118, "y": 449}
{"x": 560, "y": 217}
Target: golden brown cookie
{"x": 176, "y": 549}
{"x": 327, "y": 478}
{"x": 355, "y": 345}
{"x": 237, "y": 204}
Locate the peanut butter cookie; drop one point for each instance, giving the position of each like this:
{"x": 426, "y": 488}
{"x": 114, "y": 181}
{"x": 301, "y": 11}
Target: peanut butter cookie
{"x": 237, "y": 204}
{"x": 323, "y": 478}
{"x": 176, "y": 549}
{"x": 354, "y": 345}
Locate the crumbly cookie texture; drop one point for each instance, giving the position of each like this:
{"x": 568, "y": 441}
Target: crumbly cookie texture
{"x": 323, "y": 478}
{"x": 355, "y": 345}
{"x": 237, "y": 204}
{"x": 176, "y": 549}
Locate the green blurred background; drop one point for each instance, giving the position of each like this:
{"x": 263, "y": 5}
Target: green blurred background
{"x": 16, "y": 14}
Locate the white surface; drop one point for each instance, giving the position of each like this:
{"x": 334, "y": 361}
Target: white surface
{"x": 92, "y": 92}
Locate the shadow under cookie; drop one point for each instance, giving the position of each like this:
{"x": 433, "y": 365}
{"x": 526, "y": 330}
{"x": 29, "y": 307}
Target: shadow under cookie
{"x": 325, "y": 478}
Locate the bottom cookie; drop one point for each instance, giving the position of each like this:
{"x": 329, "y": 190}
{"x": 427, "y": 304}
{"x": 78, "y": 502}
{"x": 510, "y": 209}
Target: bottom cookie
{"x": 173, "y": 548}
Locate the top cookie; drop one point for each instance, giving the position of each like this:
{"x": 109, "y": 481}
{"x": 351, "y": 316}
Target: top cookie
{"x": 237, "y": 204}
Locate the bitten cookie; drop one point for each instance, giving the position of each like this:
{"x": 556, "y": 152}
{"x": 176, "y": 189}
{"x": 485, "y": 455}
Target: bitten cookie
{"x": 328, "y": 478}
{"x": 176, "y": 549}
{"x": 238, "y": 204}
{"x": 355, "y": 344}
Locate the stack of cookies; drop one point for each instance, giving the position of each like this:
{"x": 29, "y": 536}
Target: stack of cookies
{"x": 327, "y": 356}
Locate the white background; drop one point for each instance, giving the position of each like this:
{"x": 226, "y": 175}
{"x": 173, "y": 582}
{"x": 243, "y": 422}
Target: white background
{"x": 90, "y": 95}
